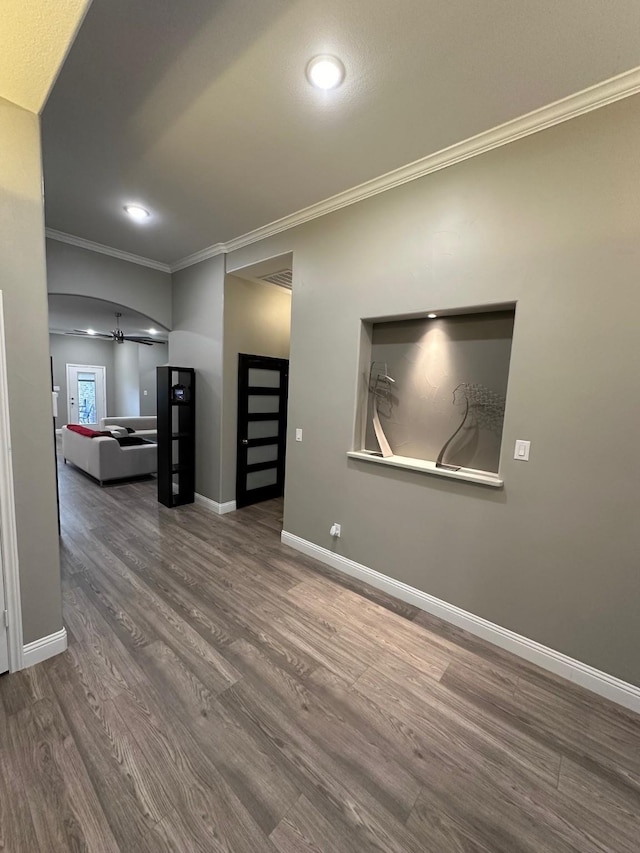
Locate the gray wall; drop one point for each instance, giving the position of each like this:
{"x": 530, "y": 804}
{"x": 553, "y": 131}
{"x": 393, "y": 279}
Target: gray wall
{"x": 196, "y": 341}
{"x": 149, "y": 358}
{"x": 429, "y": 359}
{"x": 71, "y": 350}
{"x": 71, "y": 269}
{"x": 127, "y": 379}
{"x": 257, "y": 321}
{"x": 551, "y": 222}
{"x": 24, "y": 291}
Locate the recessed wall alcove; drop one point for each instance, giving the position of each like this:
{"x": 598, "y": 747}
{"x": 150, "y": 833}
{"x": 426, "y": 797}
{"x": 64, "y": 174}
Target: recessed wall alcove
{"x": 439, "y": 386}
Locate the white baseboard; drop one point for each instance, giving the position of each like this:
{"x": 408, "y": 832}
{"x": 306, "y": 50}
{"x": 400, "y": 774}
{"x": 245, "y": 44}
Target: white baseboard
{"x": 45, "y": 647}
{"x": 214, "y": 506}
{"x": 573, "y": 670}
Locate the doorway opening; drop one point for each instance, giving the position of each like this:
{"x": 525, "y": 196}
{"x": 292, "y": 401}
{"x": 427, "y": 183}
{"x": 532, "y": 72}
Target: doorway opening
{"x": 86, "y": 394}
{"x": 257, "y": 332}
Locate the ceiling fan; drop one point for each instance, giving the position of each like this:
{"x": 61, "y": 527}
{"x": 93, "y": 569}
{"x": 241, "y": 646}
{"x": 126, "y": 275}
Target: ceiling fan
{"x": 116, "y": 335}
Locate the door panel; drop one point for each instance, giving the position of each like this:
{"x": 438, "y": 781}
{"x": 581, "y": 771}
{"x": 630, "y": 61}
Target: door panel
{"x": 261, "y": 378}
{"x": 259, "y": 404}
{"x": 264, "y": 453}
{"x": 260, "y": 479}
{"x": 262, "y": 429}
{"x": 262, "y": 426}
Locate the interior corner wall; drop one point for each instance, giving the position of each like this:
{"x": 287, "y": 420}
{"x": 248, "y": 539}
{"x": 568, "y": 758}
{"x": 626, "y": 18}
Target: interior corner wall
{"x": 149, "y": 358}
{"x": 67, "y": 349}
{"x": 551, "y": 222}
{"x": 126, "y": 373}
{"x": 73, "y": 270}
{"x": 24, "y": 291}
{"x": 257, "y": 321}
{"x": 196, "y": 341}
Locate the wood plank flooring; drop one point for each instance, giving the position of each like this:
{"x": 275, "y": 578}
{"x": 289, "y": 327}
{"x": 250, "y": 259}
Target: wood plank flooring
{"x": 223, "y": 693}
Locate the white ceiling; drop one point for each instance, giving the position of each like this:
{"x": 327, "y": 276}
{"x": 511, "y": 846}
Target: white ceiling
{"x": 67, "y": 313}
{"x": 34, "y": 38}
{"x": 200, "y": 110}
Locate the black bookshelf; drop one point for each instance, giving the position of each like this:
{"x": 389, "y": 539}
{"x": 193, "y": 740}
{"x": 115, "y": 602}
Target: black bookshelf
{"x": 176, "y": 390}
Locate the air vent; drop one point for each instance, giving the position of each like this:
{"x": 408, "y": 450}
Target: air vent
{"x": 283, "y": 278}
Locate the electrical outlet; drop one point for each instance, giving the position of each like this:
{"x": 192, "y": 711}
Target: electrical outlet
{"x": 335, "y": 530}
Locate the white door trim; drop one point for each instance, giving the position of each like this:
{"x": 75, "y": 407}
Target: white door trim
{"x": 88, "y": 368}
{"x": 8, "y": 529}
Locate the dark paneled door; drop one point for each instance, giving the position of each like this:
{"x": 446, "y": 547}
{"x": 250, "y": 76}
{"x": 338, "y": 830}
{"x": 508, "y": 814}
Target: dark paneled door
{"x": 263, "y": 384}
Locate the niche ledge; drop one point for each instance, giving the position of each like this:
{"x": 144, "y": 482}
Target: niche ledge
{"x": 424, "y": 466}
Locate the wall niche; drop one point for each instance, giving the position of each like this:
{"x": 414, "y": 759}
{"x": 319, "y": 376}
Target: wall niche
{"x": 438, "y": 386}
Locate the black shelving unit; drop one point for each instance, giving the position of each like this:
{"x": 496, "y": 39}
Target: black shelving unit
{"x": 176, "y": 435}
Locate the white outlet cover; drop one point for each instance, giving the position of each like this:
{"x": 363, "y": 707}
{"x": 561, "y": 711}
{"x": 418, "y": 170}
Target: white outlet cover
{"x": 298, "y": 435}
{"x": 522, "y": 450}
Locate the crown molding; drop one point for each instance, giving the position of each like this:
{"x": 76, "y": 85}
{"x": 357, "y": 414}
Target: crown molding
{"x": 615, "y": 89}
{"x": 600, "y": 95}
{"x": 61, "y": 237}
{"x": 198, "y": 257}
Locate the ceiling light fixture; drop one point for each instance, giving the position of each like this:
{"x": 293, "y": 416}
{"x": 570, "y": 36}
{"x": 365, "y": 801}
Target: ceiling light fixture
{"x": 325, "y": 72}
{"x": 432, "y": 316}
{"x": 91, "y": 331}
{"x": 152, "y": 331}
{"x": 136, "y": 212}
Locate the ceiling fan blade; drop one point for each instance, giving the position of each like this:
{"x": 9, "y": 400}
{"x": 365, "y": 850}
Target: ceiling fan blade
{"x": 83, "y": 334}
{"x": 140, "y": 340}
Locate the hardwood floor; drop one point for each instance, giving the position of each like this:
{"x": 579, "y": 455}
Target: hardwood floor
{"x": 223, "y": 693}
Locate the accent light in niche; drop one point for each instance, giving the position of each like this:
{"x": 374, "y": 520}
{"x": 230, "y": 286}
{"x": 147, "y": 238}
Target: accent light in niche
{"x": 432, "y": 316}
{"x": 325, "y": 72}
{"x": 136, "y": 212}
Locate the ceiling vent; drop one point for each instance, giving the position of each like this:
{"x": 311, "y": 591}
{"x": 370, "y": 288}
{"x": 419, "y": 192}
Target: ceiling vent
{"x": 283, "y": 278}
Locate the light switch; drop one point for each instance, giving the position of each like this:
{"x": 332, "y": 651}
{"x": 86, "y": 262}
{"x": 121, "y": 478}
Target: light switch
{"x": 145, "y": 392}
{"x": 522, "y": 450}
{"x": 298, "y": 435}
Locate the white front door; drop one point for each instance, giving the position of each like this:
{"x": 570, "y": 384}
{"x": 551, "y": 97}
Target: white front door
{"x": 86, "y": 394}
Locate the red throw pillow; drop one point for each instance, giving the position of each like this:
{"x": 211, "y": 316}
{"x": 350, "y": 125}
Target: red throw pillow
{"x": 83, "y": 430}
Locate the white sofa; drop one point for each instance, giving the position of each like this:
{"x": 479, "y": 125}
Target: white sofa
{"x": 103, "y": 457}
{"x": 145, "y": 427}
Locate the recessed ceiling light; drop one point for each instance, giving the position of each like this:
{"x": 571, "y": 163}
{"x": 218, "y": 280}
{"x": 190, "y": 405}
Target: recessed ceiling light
{"x": 136, "y": 212}
{"x": 432, "y": 316}
{"x": 325, "y": 72}
{"x": 91, "y": 331}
